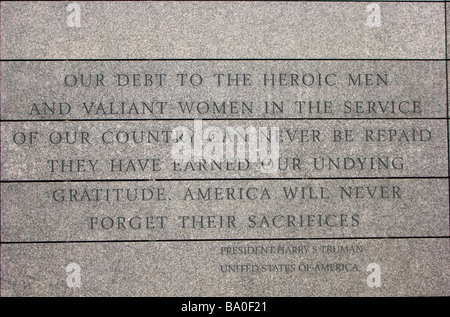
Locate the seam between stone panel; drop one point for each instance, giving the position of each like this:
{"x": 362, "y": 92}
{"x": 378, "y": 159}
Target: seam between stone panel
{"x": 447, "y": 98}
{"x": 271, "y": 59}
{"x": 223, "y": 239}
{"x": 1, "y": 271}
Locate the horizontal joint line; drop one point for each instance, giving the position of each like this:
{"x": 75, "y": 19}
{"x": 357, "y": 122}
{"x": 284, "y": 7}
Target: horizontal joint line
{"x": 223, "y": 59}
{"x": 212, "y": 119}
{"x": 220, "y": 179}
{"x": 222, "y": 240}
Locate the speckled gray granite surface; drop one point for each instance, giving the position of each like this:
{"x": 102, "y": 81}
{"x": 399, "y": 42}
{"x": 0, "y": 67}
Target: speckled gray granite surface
{"x": 166, "y": 29}
{"x": 93, "y": 202}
